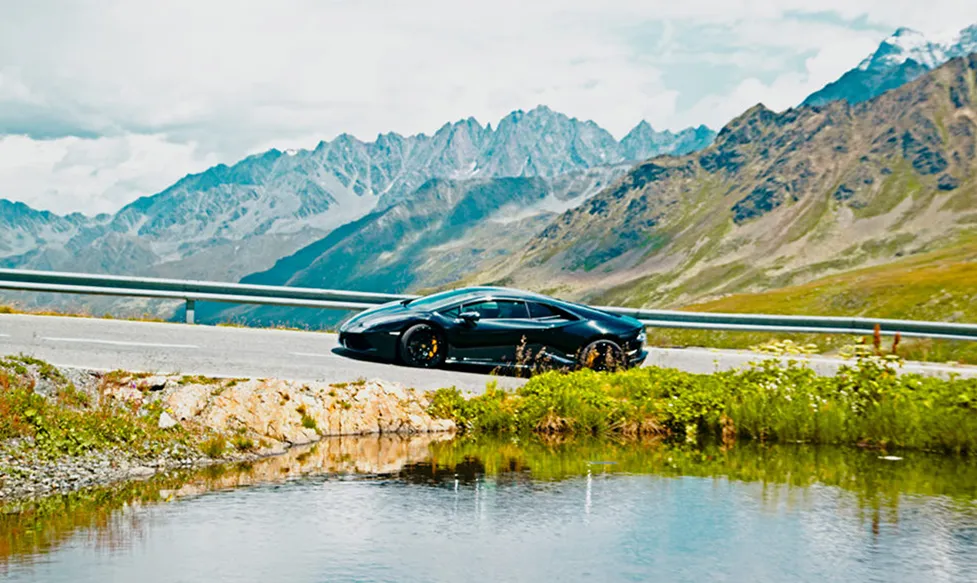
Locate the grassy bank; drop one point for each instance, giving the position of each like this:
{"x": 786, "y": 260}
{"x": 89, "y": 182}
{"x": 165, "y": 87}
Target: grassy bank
{"x": 866, "y": 404}
{"x": 939, "y": 285}
{"x": 67, "y": 421}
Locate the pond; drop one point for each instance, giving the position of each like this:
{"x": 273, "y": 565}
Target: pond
{"x": 391, "y": 509}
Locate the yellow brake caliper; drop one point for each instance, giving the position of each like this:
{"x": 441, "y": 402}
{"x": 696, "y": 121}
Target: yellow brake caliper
{"x": 434, "y": 348}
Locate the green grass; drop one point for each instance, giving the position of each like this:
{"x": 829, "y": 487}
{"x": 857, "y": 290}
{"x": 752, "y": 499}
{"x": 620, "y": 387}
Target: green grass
{"x": 309, "y": 422}
{"x": 4, "y": 309}
{"x": 71, "y": 425}
{"x": 866, "y": 403}
{"x": 214, "y": 446}
{"x": 72, "y": 422}
{"x": 938, "y": 285}
{"x": 897, "y": 186}
{"x": 242, "y": 442}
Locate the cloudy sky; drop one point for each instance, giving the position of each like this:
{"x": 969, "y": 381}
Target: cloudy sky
{"x": 102, "y": 101}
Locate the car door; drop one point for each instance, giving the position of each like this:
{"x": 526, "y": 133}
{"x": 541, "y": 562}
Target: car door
{"x": 547, "y": 332}
{"x": 495, "y": 336}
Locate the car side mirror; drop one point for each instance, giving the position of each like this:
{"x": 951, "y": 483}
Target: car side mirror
{"x": 470, "y": 317}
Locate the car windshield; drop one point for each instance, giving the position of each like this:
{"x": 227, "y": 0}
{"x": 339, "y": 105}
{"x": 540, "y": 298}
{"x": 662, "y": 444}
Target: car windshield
{"x": 437, "y": 299}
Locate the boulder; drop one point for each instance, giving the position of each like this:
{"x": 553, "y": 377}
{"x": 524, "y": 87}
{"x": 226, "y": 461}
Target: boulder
{"x": 166, "y": 421}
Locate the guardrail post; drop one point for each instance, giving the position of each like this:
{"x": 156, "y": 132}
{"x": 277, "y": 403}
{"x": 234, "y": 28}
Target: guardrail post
{"x": 191, "y": 308}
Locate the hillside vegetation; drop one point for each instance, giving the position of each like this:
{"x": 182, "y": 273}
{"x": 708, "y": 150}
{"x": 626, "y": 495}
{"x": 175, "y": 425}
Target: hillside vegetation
{"x": 940, "y": 285}
{"x": 866, "y": 403}
{"x": 779, "y": 200}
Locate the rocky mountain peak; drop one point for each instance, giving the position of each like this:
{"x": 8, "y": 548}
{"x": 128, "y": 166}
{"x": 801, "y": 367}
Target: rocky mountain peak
{"x": 779, "y": 197}
{"x": 966, "y": 42}
{"x": 903, "y": 45}
{"x": 643, "y": 130}
{"x": 758, "y": 115}
{"x": 902, "y": 57}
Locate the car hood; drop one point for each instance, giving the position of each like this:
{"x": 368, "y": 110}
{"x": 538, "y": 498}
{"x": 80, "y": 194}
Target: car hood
{"x": 368, "y": 318}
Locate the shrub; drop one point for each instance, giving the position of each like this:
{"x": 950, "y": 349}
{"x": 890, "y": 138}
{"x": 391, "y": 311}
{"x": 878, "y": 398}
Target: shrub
{"x": 214, "y": 447}
{"x": 866, "y": 403}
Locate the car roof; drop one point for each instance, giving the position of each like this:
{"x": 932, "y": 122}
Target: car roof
{"x": 469, "y": 293}
{"x": 506, "y": 291}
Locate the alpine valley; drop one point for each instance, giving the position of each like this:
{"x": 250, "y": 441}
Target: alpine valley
{"x": 778, "y": 200}
{"x": 228, "y": 222}
{"x": 873, "y": 178}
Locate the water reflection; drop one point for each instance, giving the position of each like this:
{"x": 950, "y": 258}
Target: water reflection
{"x": 110, "y": 517}
{"x": 643, "y": 504}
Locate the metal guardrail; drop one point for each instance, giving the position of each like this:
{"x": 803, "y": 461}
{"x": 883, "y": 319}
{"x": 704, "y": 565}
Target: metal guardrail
{"x": 236, "y": 293}
{"x": 190, "y": 291}
{"x": 798, "y": 324}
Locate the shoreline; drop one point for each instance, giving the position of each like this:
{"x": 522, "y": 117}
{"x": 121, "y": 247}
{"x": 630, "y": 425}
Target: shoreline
{"x": 179, "y": 422}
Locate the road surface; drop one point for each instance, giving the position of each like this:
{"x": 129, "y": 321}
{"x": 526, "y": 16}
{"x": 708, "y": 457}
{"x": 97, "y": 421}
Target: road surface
{"x": 302, "y": 356}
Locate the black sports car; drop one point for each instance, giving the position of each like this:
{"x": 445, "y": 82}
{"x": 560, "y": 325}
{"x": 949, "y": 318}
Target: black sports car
{"x": 495, "y": 326}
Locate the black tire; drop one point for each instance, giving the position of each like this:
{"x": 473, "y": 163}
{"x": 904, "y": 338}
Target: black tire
{"x": 422, "y": 346}
{"x": 602, "y": 355}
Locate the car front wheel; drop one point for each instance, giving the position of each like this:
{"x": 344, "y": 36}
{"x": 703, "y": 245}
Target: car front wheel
{"x": 422, "y": 346}
{"x": 602, "y": 355}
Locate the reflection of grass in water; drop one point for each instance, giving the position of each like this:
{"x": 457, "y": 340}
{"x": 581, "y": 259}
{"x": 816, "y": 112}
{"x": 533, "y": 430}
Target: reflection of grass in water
{"x": 857, "y": 470}
{"x": 33, "y": 527}
{"x": 37, "y": 526}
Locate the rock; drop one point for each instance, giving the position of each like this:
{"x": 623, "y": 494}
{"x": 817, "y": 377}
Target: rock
{"x": 126, "y": 394}
{"x": 166, "y": 421}
{"x": 46, "y": 388}
{"x": 141, "y": 471}
{"x": 154, "y": 383}
{"x": 948, "y": 182}
{"x": 188, "y": 401}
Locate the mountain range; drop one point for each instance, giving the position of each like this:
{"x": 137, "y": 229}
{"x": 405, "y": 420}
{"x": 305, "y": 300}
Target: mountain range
{"x": 443, "y": 232}
{"x": 778, "y": 199}
{"x": 230, "y": 221}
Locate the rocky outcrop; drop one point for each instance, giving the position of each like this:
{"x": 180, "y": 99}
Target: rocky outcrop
{"x": 277, "y": 414}
{"x": 224, "y": 419}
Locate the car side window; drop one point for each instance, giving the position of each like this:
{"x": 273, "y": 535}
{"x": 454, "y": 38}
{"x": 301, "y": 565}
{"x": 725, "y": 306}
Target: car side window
{"x": 498, "y": 309}
{"x": 539, "y": 311}
{"x": 451, "y": 312}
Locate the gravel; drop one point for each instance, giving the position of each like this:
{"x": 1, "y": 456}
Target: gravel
{"x": 24, "y": 473}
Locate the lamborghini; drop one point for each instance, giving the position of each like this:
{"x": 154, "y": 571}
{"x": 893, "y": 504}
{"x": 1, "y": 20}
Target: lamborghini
{"x": 494, "y": 326}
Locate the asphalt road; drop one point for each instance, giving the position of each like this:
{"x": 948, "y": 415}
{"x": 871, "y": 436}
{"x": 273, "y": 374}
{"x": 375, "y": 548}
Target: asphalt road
{"x": 302, "y": 356}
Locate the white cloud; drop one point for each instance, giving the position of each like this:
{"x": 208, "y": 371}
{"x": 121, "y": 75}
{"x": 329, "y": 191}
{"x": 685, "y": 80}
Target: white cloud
{"x": 145, "y": 92}
{"x": 93, "y": 175}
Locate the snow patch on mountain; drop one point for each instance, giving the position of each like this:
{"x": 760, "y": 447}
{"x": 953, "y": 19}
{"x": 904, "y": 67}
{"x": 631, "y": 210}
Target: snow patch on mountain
{"x": 930, "y": 51}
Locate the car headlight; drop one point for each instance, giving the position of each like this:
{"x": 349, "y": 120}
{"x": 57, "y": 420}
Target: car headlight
{"x": 642, "y": 336}
{"x": 381, "y": 323}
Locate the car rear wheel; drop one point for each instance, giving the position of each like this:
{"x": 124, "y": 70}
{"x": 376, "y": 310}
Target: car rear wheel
{"x": 602, "y": 355}
{"x": 422, "y": 346}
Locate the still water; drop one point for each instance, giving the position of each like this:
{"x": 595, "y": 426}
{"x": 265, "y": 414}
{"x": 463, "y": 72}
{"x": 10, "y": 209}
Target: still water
{"x": 394, "y": 510}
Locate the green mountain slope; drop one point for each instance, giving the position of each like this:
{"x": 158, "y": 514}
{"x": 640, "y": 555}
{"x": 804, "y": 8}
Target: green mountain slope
{"x": 779, "y": 199}
{"x": 940, "y": 285}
